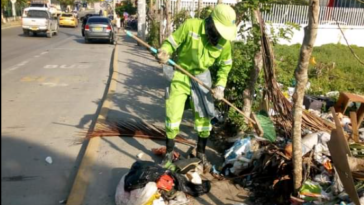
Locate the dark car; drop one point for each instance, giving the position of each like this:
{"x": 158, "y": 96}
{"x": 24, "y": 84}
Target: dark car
{"x": 84, "y": 21}
{"x": 99, "y": 28}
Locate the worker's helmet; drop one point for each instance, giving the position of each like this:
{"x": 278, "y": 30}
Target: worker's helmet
{"x": 224, "y": 19}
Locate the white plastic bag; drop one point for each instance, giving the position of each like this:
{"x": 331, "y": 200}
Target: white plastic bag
{"x": 135, "y": 197}
{"x": 240, "y": 147}
{"x": 121, "y": 196}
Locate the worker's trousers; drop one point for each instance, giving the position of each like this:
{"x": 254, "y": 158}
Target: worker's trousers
{"x": 180, "y": 90}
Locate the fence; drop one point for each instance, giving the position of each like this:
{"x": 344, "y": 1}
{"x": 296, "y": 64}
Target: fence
{"x": 328, "y": 15}
{"x": 282, "y": 13}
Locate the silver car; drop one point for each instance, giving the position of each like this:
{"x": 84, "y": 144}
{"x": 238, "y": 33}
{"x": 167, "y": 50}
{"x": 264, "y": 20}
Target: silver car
{"x": 99, "y": 28}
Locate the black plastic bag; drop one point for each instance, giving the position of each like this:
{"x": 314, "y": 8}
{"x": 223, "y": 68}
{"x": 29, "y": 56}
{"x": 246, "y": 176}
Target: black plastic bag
{"x": 141, "y": 173}
{"x": 195, "y": 190}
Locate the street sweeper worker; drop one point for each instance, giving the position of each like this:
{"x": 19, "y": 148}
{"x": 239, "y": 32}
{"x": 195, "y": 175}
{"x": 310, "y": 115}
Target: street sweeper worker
{"x": 198, "y": 44}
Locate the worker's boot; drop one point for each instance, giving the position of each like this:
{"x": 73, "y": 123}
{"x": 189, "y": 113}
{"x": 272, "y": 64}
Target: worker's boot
{"x": 168, "y": 158}
{"x": 201, "y": 147}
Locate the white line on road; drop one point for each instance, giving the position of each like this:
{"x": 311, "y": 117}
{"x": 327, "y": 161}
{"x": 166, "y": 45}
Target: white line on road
{"x": 54, "y": 84}
{"x": 73, "y": 66}
{"x": 23, "y": 63}
{"x": 14, "y": 68}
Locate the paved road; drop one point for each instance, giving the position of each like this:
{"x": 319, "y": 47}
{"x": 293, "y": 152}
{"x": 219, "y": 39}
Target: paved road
{"x": 50, "y": 92}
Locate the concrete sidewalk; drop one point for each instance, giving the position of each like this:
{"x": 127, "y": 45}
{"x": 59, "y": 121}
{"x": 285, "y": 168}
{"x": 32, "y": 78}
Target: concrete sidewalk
{"x": 140, "y": 96}
{"x": 11, "y": 24}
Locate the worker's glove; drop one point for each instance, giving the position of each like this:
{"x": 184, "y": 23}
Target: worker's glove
{"x": 218, "y": 92}
{"x": 162, "y": 56}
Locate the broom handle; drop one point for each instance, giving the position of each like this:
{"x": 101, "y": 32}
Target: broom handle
{"x": 170, "y": 61}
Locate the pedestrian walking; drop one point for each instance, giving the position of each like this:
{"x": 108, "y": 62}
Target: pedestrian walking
{"x": 118, "y": 22}
{"x": 125, "y": 19}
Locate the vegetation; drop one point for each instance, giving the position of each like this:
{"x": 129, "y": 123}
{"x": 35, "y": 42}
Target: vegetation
{"x": 128, "y": 7}
{"x": 332, "y": 68}
{"x": 335, "y": 67}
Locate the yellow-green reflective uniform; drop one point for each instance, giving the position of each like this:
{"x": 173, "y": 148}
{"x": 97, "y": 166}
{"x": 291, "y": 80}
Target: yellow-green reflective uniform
{"x": 196, "y": 55}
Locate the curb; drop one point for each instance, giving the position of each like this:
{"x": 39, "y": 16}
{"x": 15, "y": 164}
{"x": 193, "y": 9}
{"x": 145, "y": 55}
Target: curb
{"x": 80, "y": 185}
{"x": 7, "y": 27}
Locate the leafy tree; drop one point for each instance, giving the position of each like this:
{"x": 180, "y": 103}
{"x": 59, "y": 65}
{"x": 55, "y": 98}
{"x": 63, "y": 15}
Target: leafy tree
{"x": 4, "y": 3}
{"x": 126, "y": 7}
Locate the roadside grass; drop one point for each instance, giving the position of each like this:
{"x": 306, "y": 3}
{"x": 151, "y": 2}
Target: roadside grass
{"x": 332, "y": 68}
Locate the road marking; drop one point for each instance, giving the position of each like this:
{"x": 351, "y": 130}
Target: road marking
{"x": 55, "y": 84}
{"x": 73, "y": 66}
{"x": 55, "y": 80}
{"x": 14, "y": 68}
{"x": 28, "y": 79}
{"x": 84, "y": 174}
{"x": 23, "y": 63}
{"x": 43, "y": 53}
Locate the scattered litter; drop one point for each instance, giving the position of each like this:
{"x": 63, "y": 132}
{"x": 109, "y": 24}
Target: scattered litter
{"x": 322, "y": 179}
{"x": 140, "y": 155}
{"x": 64, "y": 201}
{"x": 49, "y": 160}
{"x": 149, "y": 184}
{"x": 162, "y": 151}
{"x": 194, "y": 177}
{"x": 312, "y": 191}
{"x": 165, "y": 182}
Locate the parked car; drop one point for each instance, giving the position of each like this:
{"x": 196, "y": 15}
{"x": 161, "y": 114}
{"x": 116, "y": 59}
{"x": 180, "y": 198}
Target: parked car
{"x": 84, "y": 21}
{"x": 132, "y": 24}
{"x": 99, "y": 28}
{"x": 39, "y": 20}
{"x": 68, "y": 19}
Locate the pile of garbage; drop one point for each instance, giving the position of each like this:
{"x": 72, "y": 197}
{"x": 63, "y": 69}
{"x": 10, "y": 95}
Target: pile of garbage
{"x": 333, "y": 165}
{"x": 148, "y": 183}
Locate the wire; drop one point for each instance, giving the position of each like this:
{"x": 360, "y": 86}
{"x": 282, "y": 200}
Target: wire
{"x": 347, "y": 43}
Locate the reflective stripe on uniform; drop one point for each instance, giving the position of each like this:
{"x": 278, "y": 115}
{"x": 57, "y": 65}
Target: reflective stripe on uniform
{"x": 172, "y": 125}
{"x": 194, "y": 35}
{"x": 172, "y": 41}
{"x": 203, "y": 128}
{"x": 228, "y": 62}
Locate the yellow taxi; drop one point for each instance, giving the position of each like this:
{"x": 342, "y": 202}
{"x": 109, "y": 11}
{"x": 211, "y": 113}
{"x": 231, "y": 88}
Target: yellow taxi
{"x": 68, "y": 19}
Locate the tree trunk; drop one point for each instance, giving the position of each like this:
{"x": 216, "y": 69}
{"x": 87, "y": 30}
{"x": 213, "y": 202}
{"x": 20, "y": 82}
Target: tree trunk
{"x": 161, "y": 20}
{"x": 199, "y": 8}
{"x": 178, "y": 6}
{"x": 248, "y": 94}
{"x": 168, "y": 12}
{"x": 301, "y": 79}
{"x": 2, "y": 16}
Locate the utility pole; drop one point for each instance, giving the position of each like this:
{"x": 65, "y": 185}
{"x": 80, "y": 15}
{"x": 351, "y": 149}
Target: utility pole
{"x": 141, "y": 18}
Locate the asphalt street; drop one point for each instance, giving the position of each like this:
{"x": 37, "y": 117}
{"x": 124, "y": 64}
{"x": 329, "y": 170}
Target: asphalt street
{"x": 50, "y": 94}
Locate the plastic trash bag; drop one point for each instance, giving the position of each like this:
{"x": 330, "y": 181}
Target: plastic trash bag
{"x": 195, "y": 190}
{"x": 143, "y": 196}
{"x": 141, "y": 173}
{"x": 180, "y": 199}
{"x": 240, "y": 147}
{"x": 312, "y": 191}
